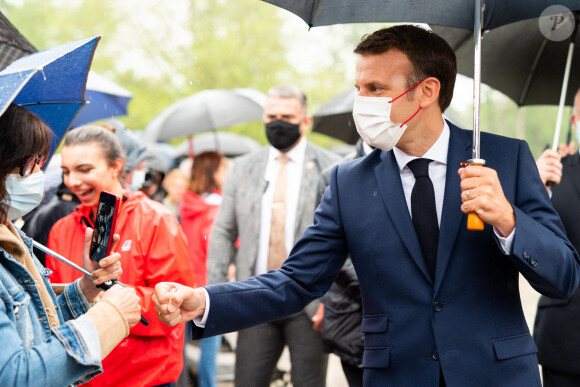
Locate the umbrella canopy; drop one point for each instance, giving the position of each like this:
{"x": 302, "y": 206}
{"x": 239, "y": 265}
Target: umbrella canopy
{"x": 230, "y": 144}
{"x": 206, "y": 110}
{"x": 105, "y": 99}
{"x": 12, "y": 44}
{"x": 518, "y": 60}
{"x": 452, "y": 13}
{"x": 50, "y": 83}
{"x": 334, "y": 118}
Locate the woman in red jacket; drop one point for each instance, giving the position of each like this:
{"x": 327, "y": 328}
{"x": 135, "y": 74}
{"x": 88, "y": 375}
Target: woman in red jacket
{"x": 198, "y": 212}
{"x": 153, "y": 249}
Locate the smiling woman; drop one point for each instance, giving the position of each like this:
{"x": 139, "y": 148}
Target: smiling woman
{"x": 153, "y": 249}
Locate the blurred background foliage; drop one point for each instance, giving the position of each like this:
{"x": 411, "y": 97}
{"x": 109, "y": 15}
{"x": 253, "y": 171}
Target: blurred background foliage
{"x": 163, "y": 51}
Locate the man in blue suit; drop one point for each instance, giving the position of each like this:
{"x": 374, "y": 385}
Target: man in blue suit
{"x": 441, "y": 303}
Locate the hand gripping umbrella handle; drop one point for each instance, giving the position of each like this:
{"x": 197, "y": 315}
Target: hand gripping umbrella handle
{"x": 109, "y": 284}
{"x": 474, "y": 222}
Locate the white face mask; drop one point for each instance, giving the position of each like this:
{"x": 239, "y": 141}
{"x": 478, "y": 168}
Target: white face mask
{"x": 372, "y": 118}
{"x": 25, "y": 193}
{"x": 137, "y": 180}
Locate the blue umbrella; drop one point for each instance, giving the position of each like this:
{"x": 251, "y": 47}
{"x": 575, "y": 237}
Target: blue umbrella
{"x": 105, "y": 99}
{"x": 50, "y": 83}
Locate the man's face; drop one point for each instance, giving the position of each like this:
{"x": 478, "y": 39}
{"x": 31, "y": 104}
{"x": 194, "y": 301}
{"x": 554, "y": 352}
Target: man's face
{"x": 285, "y": 109}
{"x": 385, "y": 75}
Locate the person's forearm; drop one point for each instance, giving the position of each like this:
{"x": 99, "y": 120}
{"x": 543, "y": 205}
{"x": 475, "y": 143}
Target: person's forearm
{"x": 110, "y": 323}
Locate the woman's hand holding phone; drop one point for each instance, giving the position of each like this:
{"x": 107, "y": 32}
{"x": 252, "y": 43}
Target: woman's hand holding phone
{"x": 106, "y": 269}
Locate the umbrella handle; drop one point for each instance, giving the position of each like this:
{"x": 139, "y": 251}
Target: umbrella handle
{"x": 474, "y": 222}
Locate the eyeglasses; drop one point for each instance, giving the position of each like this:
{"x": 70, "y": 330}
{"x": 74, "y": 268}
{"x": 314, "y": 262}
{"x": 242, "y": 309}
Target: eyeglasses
{"x": 29, "y": 164}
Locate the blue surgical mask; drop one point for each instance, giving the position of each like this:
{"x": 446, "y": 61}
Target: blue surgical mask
{"x": 137, "y": 180}
{"x": 24, "y": 193}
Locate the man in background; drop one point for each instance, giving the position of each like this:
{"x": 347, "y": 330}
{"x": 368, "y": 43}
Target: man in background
{"x": 268, "y": 201}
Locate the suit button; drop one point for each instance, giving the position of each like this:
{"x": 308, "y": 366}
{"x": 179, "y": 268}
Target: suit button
{"x": 533, "y": 262}
{"x": 435, "y": 355}
{"x": 526, "y": 255}
{"x": 437, "y": 306}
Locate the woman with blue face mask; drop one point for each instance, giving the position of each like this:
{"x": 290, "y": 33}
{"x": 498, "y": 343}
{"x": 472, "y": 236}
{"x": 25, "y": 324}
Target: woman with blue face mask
{"x": 48, "y": 340}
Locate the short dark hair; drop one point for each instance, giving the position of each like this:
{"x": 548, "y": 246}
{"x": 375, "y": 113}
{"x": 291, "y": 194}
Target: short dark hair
{"x": 22, "y": 134}
{"x": 429, "y": 54}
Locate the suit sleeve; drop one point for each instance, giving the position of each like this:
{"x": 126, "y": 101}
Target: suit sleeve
{"x": 307, "y": 274}
{"x": 223, "y": 237}
{"x": 541, "y": 251}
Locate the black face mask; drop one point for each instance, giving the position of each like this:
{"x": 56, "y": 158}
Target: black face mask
{"x": 281, "y": 134}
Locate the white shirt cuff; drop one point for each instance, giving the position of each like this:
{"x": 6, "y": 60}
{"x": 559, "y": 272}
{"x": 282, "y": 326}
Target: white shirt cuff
{"x": 505, "y": 242}
{"x": 200, "y": 321}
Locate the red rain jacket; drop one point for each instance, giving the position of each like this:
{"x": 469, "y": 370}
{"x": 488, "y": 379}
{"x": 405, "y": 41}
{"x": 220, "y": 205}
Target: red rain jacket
{"x": 197, "y": 220}
{"x": 153, "y": 249}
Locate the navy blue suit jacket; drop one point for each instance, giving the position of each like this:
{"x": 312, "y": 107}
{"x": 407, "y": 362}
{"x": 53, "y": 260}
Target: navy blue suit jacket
{"x": 468, "y": 321}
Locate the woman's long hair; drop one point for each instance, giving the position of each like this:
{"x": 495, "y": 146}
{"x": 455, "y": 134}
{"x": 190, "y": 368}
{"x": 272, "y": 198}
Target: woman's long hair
{"x": 203, "y": 170}
{"x": 22, "y": 134}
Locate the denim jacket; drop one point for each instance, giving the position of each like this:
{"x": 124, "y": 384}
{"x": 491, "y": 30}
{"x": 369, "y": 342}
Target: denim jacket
{"x": 32, "y": 353}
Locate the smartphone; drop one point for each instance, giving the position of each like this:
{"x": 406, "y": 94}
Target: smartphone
{"x": 104, "y": 226}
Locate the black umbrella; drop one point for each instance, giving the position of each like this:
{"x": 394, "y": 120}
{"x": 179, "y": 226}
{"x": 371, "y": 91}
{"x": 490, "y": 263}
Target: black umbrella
{"x": 334, "y": 118}
{"x": 475, "y": 15}
{"x": 453, "y": 13}
{"x": 524, "y": 62}
{"x": 12, "y": 44}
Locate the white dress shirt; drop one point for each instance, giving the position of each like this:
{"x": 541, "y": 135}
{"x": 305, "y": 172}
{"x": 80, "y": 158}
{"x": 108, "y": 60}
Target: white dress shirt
{"x": 294, "y": 178}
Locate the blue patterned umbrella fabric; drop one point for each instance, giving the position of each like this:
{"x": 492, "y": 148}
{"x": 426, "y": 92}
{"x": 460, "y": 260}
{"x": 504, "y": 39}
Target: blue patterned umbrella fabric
{"x": 50, "y": 83}
{"x": 105, "y": 99}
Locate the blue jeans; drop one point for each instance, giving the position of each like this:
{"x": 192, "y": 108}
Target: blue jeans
{"x": 206, "y": 371}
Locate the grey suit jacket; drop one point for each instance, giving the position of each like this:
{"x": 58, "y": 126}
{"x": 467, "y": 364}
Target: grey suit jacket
{"x": 240, "y": 210}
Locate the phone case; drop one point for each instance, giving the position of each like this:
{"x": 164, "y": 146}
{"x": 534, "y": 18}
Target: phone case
{"x": 104, "y": 226}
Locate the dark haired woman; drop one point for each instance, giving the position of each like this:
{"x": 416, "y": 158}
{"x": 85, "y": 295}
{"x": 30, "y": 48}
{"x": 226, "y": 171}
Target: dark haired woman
{"x": 48, "y": 340}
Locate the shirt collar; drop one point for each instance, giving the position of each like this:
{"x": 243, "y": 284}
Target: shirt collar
{"x": 295, "y": 154}
{"x": 437, "y": 152}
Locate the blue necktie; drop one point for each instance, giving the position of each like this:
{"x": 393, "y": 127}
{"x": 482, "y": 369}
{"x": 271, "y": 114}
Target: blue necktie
{"x": 424, "y": 212}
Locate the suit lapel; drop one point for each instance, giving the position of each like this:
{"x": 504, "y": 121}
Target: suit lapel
{"x": 391, "y": 190}
{"x": 310, "y": 176}
{"x": 257, "y": 185}
{"x": 451, "y": 217}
